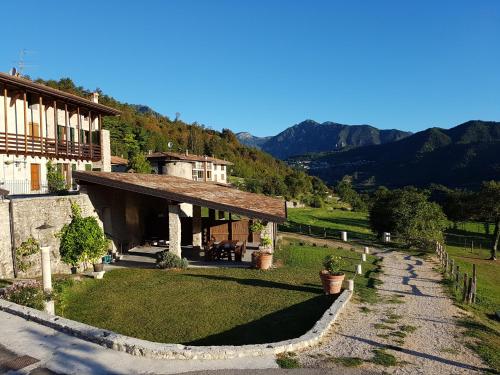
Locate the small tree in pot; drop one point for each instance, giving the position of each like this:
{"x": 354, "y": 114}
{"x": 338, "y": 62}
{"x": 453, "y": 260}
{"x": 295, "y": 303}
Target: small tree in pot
{"x": 262, "y": 259}
{"x": 82, "y": 240}
{"x": 332, "y": 276}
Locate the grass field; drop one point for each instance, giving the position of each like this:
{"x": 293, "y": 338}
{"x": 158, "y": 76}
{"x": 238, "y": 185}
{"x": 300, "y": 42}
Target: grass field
{"x": 212, "y": 306}
{"x": 333, "y": 220}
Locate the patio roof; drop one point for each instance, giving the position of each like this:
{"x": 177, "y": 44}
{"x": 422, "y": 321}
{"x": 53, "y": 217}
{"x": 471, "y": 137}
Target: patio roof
{"x": 182, "y": 190}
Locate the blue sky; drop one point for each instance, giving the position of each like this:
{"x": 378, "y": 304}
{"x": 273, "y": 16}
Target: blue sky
{"x": 261, "y": 66}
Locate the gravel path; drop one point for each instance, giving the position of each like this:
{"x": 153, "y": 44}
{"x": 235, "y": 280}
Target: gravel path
{"x": 414, "y": 322}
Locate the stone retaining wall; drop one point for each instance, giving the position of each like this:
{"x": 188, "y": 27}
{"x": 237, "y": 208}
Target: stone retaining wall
{"x": 27, "y": 215}
{"x": 177, "y": 351}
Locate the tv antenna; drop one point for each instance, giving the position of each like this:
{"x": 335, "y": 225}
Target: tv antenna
{"x": 21, "y": 63}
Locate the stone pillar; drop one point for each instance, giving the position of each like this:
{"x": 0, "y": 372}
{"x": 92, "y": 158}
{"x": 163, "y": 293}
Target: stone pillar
{"x": 269, "y": 232}
{"x": 197, "y": 220}
{"x": 174, "y": 229}
{"x": 46, "y": 269}
{"x": 105, "y": 151}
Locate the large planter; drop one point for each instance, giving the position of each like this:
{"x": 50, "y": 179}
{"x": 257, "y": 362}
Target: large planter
{"x": 332, "y": 284}
{"x": 98, "y": 267}
{"x": 264, "y": 261}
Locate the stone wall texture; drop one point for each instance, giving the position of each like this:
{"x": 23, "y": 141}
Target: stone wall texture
{"x": 6, "y": 265}
{"x": 27, "y": 215}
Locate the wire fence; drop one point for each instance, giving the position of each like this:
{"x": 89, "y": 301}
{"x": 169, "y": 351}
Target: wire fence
{"x": 325, "y": 233}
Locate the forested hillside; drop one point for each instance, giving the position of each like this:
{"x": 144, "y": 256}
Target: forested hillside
{"x": 140, "y": 128}
{"x": 463, "y": 156}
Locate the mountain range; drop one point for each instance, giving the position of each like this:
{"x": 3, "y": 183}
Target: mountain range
{"x": 462, "y": 156}
{"x": 312, "y": 137}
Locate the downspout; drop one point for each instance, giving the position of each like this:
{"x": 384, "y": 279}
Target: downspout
{"x": 12, "y": 240}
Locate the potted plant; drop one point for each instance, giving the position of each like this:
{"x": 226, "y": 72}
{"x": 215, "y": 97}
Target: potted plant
{"x": 82, "y": 240}
{"x": 263, "y": 259}
{"x": 332, "y": 275}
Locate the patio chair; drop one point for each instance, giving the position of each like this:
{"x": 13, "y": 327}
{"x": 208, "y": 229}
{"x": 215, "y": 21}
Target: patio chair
{"x": 240, "y": 251}
{"x": 210, "y": 250}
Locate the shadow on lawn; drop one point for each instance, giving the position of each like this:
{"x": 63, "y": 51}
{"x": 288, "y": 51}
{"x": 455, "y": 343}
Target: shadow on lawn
{"x": 262, "y": 283}
{"x": 285, "y": 324}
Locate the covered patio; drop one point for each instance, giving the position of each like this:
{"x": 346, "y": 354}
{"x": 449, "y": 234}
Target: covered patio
{"x": 146, "y": 213}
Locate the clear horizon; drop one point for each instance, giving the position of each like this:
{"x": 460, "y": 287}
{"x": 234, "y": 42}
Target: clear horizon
{"x": 261, "y": 67}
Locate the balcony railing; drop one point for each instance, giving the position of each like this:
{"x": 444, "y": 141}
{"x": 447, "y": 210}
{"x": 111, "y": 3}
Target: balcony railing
{"x": 24, "y": 187}
{"x": 37, "y": 146}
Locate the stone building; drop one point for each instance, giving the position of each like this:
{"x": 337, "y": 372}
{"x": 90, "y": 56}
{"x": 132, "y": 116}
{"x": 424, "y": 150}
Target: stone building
{"x": 193, "y": 167}
{"x": 38, "y": 124}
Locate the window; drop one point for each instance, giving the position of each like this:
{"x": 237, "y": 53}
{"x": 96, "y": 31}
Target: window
{"x": 223, "y": 168}
{"x": 209, "y": 175}
{"x": 88, "y": 167}
{"x": 222, "y": 177}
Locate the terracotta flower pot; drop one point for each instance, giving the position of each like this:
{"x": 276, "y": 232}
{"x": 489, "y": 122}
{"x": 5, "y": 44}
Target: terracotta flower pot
{"x": 264, "y": 261}
{"x": 332, "y": 284}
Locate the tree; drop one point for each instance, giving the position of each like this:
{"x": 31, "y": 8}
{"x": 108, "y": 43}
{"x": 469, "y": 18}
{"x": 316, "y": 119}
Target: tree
{"x": 488, "y": 209}
{"x": 82, "y": 239}
{"x": 409, "y": 215}
{"x": 55, "y": 179}
{"x": 139, "y": 164}
{"x": 347, "y": 194}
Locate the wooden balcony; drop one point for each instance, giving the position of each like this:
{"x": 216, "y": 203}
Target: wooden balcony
{"x": 17, "y": 144}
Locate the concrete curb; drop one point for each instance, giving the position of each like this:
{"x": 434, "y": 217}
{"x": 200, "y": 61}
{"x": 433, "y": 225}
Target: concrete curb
{"x": 156, "y": 350}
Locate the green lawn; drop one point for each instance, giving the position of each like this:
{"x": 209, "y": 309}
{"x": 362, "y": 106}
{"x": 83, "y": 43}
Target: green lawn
{"x": 333, "y": 220}
{"x": 212, "y": 306}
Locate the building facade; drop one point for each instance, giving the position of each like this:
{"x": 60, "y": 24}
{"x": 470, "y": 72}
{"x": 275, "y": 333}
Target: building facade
{"x": 39, "y": 124}
{"x": 193, "y": 167}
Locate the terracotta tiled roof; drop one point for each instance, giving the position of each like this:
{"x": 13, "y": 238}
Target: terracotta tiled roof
{"x": 118, "y": 160}
{"x": 203, "y": 194}
{"x": 178, "y": 156}
{"x": 57, "y": 94}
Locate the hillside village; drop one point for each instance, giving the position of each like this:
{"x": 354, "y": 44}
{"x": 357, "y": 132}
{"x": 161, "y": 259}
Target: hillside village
{"x": 135, "y": 242}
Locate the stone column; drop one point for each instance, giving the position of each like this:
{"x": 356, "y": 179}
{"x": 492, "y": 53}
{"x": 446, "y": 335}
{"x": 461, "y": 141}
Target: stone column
{"x": 105, "y": 151}
{"x": 197, "y": 220}
{"x": 174, "y": 229}
{"x": 269, "y": 232}
{"x": 46, "y": 270}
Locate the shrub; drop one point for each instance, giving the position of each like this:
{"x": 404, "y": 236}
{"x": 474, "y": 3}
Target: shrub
{"x": 27, "y": 293}
{"x": 55, "y": 180}
{"x": 166, "y": 260}
{"x": 24, "y": 252}
{"x": 82, "y": 240}
{"x": 333, "y": 264}
{"x": 257, "y": 226}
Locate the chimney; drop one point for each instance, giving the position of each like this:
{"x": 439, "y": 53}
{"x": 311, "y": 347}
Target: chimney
{"x": 187, "y": 152}
{"x": 95, "y": 97}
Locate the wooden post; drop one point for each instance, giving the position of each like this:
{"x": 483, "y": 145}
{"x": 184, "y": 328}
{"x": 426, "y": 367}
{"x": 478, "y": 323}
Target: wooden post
{"x": 90, "y": 133}
{"x": 40, "y": 100}
{"x": 324, "y": 232}
{"x": 79, "y": 126}
{"x": 25, "y": 124}
{"x": 469, "y": 291}
{"x": 452, "y": 268}
{"x": 66, "y": 129}
{"x": 5, "y": 117}
{"x": 56, "y": 137}
{"x": 309, "y": 229}
{"x": 457, "y": 277}
{"x": 474, "y": 283}
{"x": 465, "y": 288}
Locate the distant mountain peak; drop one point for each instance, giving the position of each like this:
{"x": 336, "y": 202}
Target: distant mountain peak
{"x": 310, "y": 136}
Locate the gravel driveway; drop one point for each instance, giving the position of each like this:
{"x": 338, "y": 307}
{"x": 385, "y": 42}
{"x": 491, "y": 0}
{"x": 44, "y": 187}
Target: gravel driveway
{"x": 414, "y": 324}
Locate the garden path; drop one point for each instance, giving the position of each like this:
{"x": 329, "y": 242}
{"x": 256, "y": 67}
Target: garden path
{"x": 414, "y": 323}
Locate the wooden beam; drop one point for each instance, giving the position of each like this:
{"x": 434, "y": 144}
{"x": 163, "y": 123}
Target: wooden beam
{"x": 41, "y": 122}
{"x": 5, "y": 117}
{"x": 25, "y": 123}
{"x": 66, "y": 128}
{"x": 90, "y": 133}
{"x": 79, "y": 126}
{"x": 56, "y": 127}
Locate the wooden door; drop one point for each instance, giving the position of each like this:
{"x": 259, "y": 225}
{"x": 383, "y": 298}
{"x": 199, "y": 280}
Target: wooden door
{"x": 35, "y": 177}
{"x": 240, "y": 230}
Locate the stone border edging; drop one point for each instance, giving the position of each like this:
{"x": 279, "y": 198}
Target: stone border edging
{"x": 156, "y": 350}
